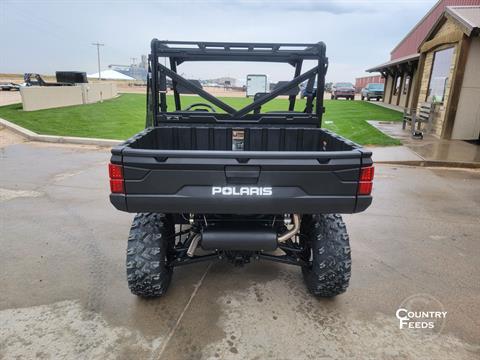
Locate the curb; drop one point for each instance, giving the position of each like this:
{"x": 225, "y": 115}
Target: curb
{"x": 33, "y": 136}
{"x": 433, "y": 163}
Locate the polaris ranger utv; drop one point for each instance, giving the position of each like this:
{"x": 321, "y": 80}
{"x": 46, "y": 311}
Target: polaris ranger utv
{"x": 209, "y": 181}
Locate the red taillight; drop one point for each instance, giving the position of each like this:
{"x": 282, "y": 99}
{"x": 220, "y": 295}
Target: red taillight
{"x": 365, "y": 183}
{"x": 116, "y": 186}
{"x": 115, "y": 171}
{"x": 366, "y": 173}
{"x": 364, "y": 188}
{"x": 116, "y": 178}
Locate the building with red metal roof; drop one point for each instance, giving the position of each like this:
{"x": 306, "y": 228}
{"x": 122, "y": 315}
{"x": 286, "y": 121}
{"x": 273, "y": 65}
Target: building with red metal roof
{"x": 410, "y": 43}
{"x": 430, "y": 63}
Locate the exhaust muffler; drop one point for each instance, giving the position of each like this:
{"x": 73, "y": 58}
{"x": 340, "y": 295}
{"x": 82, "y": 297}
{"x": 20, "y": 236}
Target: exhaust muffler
{"x": 242, "y": 239}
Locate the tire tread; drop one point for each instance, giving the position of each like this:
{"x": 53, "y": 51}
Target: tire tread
{"x": 148, "y": 273}
{"x": 329, "y": 272}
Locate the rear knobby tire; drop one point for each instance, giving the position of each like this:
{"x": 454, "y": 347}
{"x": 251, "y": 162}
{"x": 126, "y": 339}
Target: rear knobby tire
{"x": 327, "y": 251}
{"x": 149, "y": 250}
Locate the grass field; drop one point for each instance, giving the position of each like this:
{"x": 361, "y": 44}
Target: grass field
{"x": 124, "y": 116}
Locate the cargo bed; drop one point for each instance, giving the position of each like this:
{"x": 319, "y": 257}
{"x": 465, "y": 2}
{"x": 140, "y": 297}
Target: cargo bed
{"x": 180, "y": 169}
{"x": 223, "y": 138}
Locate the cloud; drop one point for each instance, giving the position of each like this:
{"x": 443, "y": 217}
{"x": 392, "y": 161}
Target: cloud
{"x": 336, "y": 7}
{"x": 126, "y": 27}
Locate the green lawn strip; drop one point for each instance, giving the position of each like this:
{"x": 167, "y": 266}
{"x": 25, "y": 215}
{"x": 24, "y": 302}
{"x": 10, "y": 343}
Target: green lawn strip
{"x": 124, "y": 116}
{"x": 118, "y": 118}
{"x": 349, "y": 119}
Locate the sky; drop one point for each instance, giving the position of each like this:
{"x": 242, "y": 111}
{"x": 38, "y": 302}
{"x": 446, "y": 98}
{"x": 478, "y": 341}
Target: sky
{"x": 46, "y": 36}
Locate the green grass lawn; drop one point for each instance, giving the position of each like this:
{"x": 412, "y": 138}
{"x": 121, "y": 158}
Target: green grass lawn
{"x": 124, "y": 116}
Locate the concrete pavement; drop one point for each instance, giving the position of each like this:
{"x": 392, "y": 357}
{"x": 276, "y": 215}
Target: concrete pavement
{"x": 64, "y": 293}
{"x": 393, "y": 154}
{"x": 429, "y": 150}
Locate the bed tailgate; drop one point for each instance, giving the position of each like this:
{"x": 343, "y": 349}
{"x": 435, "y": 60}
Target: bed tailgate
{"x": 226, "y": 182}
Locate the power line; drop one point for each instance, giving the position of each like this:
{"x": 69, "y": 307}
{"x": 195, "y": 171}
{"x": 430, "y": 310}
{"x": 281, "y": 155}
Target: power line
{"x": 97, "y": 44}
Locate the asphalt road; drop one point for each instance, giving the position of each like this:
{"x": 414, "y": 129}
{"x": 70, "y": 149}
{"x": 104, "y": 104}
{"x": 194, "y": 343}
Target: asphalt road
{"x": 63, "y": 292}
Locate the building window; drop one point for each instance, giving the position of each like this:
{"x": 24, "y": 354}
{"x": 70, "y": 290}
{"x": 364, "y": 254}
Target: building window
{"x": 437, "y": 84}
{"x": 407, "y": 85}
{"x": 398, "y": 84}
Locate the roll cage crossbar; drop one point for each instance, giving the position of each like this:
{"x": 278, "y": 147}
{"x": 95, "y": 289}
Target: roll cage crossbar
{"x": 179, "y": 52}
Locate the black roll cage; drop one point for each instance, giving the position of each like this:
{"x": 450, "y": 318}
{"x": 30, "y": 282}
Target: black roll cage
{"x": 179, "y": 52}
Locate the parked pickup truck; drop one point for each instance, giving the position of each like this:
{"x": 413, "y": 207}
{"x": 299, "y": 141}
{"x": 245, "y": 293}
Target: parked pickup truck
{"x": 208, "y": 181}
{"x": 372, "y": 91}
{"x": 343, "y": 90}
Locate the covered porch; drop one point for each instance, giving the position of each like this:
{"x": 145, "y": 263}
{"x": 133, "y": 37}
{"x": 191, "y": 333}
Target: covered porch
{"x": 400, "y": 76}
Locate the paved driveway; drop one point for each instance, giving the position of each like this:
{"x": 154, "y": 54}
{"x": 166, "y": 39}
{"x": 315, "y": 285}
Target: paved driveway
{"x": 64, "y": 294}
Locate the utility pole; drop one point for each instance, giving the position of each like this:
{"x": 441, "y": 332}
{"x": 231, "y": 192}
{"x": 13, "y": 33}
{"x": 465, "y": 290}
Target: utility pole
{"x": 97, "y": 44}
